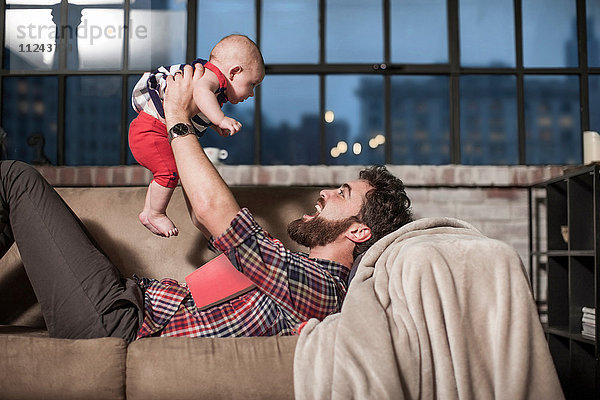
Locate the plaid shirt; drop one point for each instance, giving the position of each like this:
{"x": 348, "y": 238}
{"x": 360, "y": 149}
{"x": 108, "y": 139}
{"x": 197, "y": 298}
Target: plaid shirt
{"x": 149, "y": 91}
{"x": 291, "y": 288}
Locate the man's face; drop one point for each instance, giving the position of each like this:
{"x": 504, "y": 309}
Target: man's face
{"x": 334, "y": 214}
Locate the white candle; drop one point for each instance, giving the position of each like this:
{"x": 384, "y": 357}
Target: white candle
{"x": 591, "y": 147}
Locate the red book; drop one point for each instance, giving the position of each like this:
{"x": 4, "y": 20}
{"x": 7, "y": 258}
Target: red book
{"x": 216, "y": 282}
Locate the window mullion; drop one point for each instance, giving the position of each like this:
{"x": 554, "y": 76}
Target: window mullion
{"x": 387, "y": 114}
{"x": 2, "y": 32}
{"x": 192, "y": 30}
{"x": 583, "y": 66}
{"x": 124, "y": 88}
{"x": 322, "y": 77}
{"x": 521, "y": 133}
{"x": 454, "y": 61}
{"x": 258, "y": 91}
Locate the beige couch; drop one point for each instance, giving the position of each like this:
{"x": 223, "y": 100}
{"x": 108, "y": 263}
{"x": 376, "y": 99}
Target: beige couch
{"x": 33, "y": 366}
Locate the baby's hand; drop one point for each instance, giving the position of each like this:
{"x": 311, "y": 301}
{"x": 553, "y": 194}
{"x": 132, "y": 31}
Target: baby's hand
{"x": 228, "y": 126}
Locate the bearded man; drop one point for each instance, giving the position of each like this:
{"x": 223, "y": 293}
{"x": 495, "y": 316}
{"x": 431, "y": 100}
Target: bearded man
{"x": 82, "y": 295}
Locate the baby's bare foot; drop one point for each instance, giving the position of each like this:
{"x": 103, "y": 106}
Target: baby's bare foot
{"x": 159, "y": 224}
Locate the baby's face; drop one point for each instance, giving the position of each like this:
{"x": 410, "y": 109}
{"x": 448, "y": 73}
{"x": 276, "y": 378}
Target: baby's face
{"x": 242, "y": 85}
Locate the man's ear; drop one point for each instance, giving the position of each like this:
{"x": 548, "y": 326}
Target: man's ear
{"x": 358, "y": 233}
{"x": 236, "y": 69}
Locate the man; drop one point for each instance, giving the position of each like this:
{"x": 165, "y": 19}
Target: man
{"x": 82, "y": 295}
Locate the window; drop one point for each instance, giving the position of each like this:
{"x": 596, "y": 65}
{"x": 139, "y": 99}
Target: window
{"x": 473, "y": 82}
{"x": 93, "y": 126}
{"x": 549, "y": 33}
{"x": 553, "y": 129}
{"x": 131, "y": 114}
{"x": 94, "y": 37}
{"x": 420, "y": 120}
{"x": 26, "y": 30}
{"x": 593, "y": 33}
{"x": 425, "y": 19}
{"x": 29, "y": 123}
{"x": 488, "y": 121}
{"x": 290, "y": 31}
{"x": 594, "y": 90}
{"x": 354, "y": 31}
{"x": 157, "y": 33}
{"x": 487, "y": 33}
{"x": 240, "y": 147}
{"x": 216, "y": 19}
{"x": 290, "y": 124}
{"x": 354, "y": 119}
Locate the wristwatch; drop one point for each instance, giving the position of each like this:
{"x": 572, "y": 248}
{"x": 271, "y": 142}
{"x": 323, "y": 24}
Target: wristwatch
{"x": 180, "y": 129}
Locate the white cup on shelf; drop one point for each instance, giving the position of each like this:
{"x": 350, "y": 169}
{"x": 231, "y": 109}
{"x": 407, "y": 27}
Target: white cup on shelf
{"x": 215, "y": 154}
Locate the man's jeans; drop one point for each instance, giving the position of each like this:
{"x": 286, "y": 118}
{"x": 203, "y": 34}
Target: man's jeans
{"x": 80, "y": 291}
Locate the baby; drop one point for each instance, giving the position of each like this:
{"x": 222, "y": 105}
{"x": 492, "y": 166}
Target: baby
{"x": 234, "y": 69}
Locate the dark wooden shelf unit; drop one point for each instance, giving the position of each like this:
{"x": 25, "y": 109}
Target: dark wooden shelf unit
{"x": 573, "y": 275}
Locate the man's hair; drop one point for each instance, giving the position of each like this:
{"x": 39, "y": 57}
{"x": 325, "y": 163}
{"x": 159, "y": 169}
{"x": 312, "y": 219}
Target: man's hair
{"x": 386, "y": 207}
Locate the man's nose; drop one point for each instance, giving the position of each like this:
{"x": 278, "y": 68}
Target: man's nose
{"x": 325, "y": 193}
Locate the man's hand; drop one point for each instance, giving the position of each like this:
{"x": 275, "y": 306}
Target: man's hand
{"x": 229, "y": 126}
{"x": 179, "y": 104}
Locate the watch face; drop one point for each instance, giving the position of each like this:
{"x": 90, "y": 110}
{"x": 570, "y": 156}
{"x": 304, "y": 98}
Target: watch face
{"x": 180, "y": 129}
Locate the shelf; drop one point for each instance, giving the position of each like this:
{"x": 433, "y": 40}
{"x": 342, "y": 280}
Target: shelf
{"x": 572, "y": 267}
{"x": 567, "y": 253}
{"x": 580, "y": 170}
{"x": 583, "y": 339}
{"x": 564, "y": 333}
{"x": 582, "y": 253}
{"x": 559, "y": 331}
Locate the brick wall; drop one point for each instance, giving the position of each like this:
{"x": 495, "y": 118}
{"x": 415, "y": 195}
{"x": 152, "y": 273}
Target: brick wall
{"x": 492, "y": 198}
{"x": 500, "y": 213}
{"x": 96, "y": 176}
{"x": 302, "y": 175}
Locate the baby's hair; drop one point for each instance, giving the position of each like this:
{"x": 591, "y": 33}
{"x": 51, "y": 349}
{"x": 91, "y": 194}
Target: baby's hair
{"x": 245, "y": 47}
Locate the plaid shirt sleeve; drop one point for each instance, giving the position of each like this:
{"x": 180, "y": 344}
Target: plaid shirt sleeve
{"x": 304, "y": 287}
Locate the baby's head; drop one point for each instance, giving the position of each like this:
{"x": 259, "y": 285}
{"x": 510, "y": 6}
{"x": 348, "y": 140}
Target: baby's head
{"x": 240, "y": 60}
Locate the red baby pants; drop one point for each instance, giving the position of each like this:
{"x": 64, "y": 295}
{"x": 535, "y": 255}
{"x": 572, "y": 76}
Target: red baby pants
{"x": 150, "y": 146}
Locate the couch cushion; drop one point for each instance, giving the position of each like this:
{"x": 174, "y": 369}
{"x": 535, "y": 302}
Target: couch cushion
{"x": 135, "y": 250}
{"x": 34, "y": 367}
{"x": 203, "y": 368}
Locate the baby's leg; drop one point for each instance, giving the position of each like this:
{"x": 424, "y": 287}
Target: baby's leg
{"x": 154, "y": 216}
{"x": 150, "y": 147}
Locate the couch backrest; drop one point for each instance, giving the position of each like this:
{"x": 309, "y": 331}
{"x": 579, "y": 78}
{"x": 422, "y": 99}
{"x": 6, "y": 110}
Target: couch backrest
{"x": 111, "y": 216}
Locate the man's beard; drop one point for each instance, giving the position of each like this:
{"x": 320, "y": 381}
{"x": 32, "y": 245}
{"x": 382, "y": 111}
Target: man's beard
{"x": 317, "y": 231}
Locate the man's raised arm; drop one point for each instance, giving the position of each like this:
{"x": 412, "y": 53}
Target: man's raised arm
{"x": 210, "y": 199}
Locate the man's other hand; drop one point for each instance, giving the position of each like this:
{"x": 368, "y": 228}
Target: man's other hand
{"x": 179, "y": 104}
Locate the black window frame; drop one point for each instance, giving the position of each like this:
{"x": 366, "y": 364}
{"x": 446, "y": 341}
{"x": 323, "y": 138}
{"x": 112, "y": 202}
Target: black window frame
{"x": 387, "y": 69}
